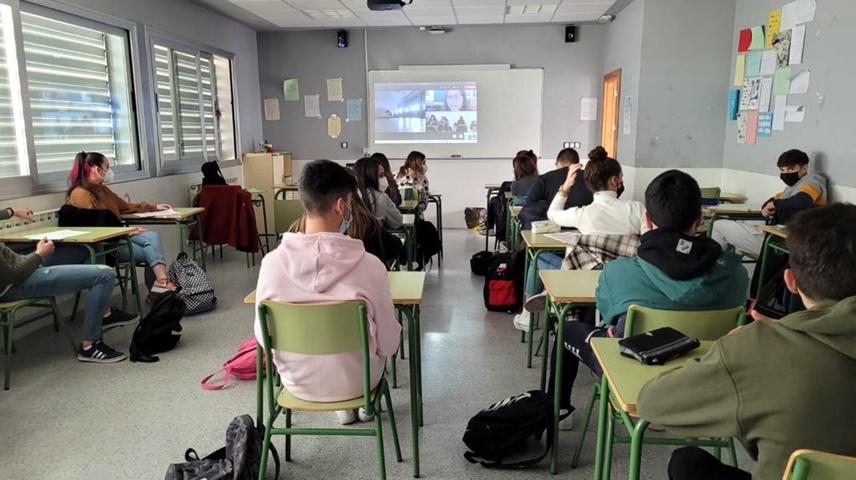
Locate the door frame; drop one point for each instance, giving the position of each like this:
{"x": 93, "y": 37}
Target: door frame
{"x": 611, "y": 111}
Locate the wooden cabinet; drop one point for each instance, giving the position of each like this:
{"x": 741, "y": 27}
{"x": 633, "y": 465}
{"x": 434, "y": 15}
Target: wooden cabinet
{"x": 262, "y": 171}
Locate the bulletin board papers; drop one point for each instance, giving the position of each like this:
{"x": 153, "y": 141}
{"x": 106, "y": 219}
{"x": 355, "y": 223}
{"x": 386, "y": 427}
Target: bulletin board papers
{"x": 782, "y": 81}
{"x": 740, "y": 70}
{"x": 797, "y": 43}
{"x": 768, "y": 62}
{"x": 800, "y": 82}
{"x": 334, "y": 126}
{"x": 782, "y": 46}
{"x": 291, "y": 90}
{"x": 334, "y": 90}
{"x": 628, "y": 113}
{"x": 271, "y": 109}
{"x": 753, "y": 64}
{"x": 751, "y": 98}
{"x": 773, "y": 27}
{"x": 355, "y": 110}
{"x": 765, "y": 124}
{"x": 766, "y": 93}
{"x": 779, "y": 112}
{"x": 312, "y": 106}
{"x": 588, "y": 109}
{"x": 742, "y": 124}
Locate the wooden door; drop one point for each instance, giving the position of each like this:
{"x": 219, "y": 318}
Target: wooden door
{"x": 611, "y": 97}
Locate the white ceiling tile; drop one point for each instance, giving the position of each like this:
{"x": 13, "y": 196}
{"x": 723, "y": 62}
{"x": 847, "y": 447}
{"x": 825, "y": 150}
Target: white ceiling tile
{"x": 316, "y": 4}
{"x": 480, "y": 20}
{"x": 428, "y": 4}
{"x": 279, "y": 14}
{"x": 477, "y": 3}
{"x": 389, "y": 22}
{"x": 588, "y": 2}
{"x": 355, "y": 4}
{"x": 429, "y": 12}
{"x": 341, "y": 22}
{"x": 374, "y": 15}
{"x": 429, "y": 21}
{"x": 480, "y": 11}
{"x": 586, "y": 8}
{"x": 574, "y": 17}
{"x": 528, "y": 18}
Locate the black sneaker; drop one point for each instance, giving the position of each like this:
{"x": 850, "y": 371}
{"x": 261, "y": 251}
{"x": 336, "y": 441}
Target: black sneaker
{"x": 118, "y": 318}
{"x": 99, "y": 352}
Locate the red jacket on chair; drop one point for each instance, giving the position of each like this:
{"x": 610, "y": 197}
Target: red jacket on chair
{"x": 229, "y": 217}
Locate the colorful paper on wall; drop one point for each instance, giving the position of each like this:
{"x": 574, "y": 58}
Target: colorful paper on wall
{"x": 753, "y": 64}
{"x": 745, "y": 40}
{"x": 797, "y": 42}
{"x": 739, "y": 70}
{"x": 742, "y": 123}
{"x": 768, "y": 62}
{"x": 312, "y": 106}
{"x": 271, "y": 109}
{"x": 628, "y": 114}
{"x": 779, "y": 112}
{"x": 782, "y": 81}
{"x": 751, "y": 96}
{"x": 355, "y": 110}
{"x": 782, "y": 46}
{"x": 765, "y": 124}
{"x": 766, "y": 92}
{"x": 800, "y": 82}
{"x": 334, "y": 90}
{"x": 773, "y": 25}
{"x": 758, "y": 38}
{"x": 334, "y": 126}
{"x": 790, "y": 12}
{"x": 291, "y": 90}
{"x": 751, "y": 127}
{"x": 733, "y": 103}
{"x": 794, "y": 113}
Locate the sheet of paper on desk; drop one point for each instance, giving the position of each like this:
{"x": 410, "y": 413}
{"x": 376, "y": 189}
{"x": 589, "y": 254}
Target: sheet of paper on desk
{"x": 564, "y": 237}
{"x": 161, "y": 213}
{"x": 57, "y": 235}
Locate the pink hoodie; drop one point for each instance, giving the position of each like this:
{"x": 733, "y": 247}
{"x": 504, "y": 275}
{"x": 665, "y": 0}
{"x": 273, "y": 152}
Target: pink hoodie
{"x": 329, "y": 267}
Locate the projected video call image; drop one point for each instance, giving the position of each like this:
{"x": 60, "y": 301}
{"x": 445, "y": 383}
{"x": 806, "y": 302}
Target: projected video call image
{"x": 426, "y": 112}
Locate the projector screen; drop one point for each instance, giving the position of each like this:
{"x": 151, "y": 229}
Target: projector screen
{"x": 455, "y": 112}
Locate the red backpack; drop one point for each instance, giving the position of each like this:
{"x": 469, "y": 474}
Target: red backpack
{"x": 242, "y": 365}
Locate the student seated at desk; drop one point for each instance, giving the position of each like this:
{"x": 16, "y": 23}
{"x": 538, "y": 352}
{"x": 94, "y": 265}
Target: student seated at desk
{"x": 24, "y": 277}
{"x": 548, "y": 184}
{"x": 525, "y": 177}
{"x": 323, "y": 265}
{"x": 371, "y": 182}
{"x": 776, "y": 386}
{"x": 413, "y": 175}
{"x": 803, "y": 190}
{"x": 89, "y": 176}
{"x": 675, "y": 270}
{"x": 392, "y": 188}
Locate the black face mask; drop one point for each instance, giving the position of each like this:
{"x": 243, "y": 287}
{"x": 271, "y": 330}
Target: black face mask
{"x": 790, "y": 178}
{"x": 620, "y": 190}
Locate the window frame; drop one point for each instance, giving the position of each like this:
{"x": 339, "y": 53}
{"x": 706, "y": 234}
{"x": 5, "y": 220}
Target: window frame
{"x": 190, "y": 164}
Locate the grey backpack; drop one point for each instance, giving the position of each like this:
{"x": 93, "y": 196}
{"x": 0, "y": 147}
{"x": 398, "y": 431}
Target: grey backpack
{"x": 238, "y": 460}
{"x": 196, "y": 289}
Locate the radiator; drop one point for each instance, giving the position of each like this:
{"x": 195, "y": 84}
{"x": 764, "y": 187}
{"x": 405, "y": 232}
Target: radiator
{"x": 45, "y": 218}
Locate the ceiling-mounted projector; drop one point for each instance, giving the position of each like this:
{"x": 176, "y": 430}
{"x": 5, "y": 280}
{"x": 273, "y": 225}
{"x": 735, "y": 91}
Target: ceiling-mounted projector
{"x": 387, "y": 4}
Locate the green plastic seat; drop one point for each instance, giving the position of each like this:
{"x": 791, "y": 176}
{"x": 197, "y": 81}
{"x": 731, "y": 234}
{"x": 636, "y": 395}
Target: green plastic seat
{"x": 814, "y": 465}
{"x": 316, "y": 329}
{"x": 701, "y": 324}
{"x": 286, "y": 212}
{"x": 8, "y": 312}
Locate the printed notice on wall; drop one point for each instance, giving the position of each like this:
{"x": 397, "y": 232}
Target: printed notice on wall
{"x": 271, "y": 109}
{"x": 355, "y": 110}
{"x": 334, "y": 90}
{"x": 311, "y": 106}
{"x": 291, "y": 90}
{"x": 628, "y": 113}
{"x": 334, "y": 126}
{"x": 588, "y": 109}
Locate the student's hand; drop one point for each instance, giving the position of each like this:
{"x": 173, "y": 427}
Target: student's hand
{"x": 610, "y": 331}
{"x": 139, "y": 230}
{"x": 22, "y": 212}
{"x": 736, "y": 329}
{"x": 756, "y": 315}
{"x": 44, "y": 248}
{"x": 769, "y": 210}
{"x": 163, "y": 206}
{"x": 573, "y": 171}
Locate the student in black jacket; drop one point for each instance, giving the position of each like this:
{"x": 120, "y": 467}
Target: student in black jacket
{"x": 548, "y": 185}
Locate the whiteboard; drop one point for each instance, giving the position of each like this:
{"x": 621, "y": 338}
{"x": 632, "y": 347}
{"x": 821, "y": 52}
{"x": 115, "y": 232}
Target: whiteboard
{"x": 509, "y": 110}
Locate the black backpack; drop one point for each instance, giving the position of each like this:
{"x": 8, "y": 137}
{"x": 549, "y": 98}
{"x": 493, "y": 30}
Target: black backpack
{"x": 480, "y": 263}
{"x": 503, "y": 282}
{"x": 499, "y": 430}
{"x": 160, "y": 330}
{"x": 238, "y": 460}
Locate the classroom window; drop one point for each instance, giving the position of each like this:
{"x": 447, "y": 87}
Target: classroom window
{"x": 194, "y": 101}
{"x": 80, "y": 91}
{"x": 13, "y": 143}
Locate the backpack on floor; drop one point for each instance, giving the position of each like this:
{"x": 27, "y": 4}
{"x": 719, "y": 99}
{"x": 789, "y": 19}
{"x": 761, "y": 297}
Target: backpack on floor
{"x": 500, "y": 290}
{"x": 238, "y": 460}
{"x": 160, "y": 330}
{"x": 242, "y": 366}
{"x": 481, "y": 262}
{"x": 196, "y": 289}
{"x": 498, "y": 431}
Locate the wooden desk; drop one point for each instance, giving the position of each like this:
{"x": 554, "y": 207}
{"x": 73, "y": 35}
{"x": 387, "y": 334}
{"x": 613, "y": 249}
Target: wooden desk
{"x": 185, "y": 219}
{"x": 730, "y": 212}
{"x": 409, "y": 205}
{"x": 406, "y": 289}
{"x": 566, "y": 289}
{"x": 731, "y": 198}
{"x": 92, "y": 236}
{"x": 775, "y": 230}
{"x": 621, "y": 382}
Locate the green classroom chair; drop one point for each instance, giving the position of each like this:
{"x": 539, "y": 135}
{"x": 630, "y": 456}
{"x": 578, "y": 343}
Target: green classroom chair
{"x": 8, "y": 312}
{"x": 815, "y": 465}
{"x": 316, "y": 329}
{"x": 702, "y": 324}
{"x": 710, "y": 195}
{"x": 286, "y": 212}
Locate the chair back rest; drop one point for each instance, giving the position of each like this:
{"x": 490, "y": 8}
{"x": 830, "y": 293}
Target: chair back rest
{"x": 409, "y": 194}
{"x": 286, "y": 212}
{"x": 814, "y": 465}
{"x": 710, "y": 195}
{"x": 701, "y": 324}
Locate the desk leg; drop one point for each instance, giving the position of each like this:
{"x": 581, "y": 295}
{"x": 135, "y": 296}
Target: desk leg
{"x": 636, "y": 449}
{"x": 487, "y": 230}
{"x": 602, "y": 419}
{"x": 412, "y": 338}
{"x": 765, "y": 254}
{"x": 135, "y": 285}
{"x": 557, "y": 383}
{"x": 202, "y": 247}
{"x": 440, "y": 225}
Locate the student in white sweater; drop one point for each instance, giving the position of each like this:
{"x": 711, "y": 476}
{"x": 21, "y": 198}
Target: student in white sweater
{"x": 371, "y": 182}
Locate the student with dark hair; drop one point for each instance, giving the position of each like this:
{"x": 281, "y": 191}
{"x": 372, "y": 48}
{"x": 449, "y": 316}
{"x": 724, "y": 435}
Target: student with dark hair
{"x": 371, "y": 181}
{"x": 531, "y": 156}
{"x": 525, "y": 177}
{"x": 803, "y": 190}
{"x": 89, "y": 178}
{"x": 548, "y": 185}
{"x": 392, "y": 187}
{"x": 323, "y": 265}
{"x": 777, "y": 386}
{"x": 675, "y": 270}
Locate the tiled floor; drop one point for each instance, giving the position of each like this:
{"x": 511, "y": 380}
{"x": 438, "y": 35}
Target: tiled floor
{"x": 67, "y": 420}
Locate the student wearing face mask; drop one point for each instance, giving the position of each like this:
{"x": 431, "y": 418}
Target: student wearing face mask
{"x": 803, "y": 190}
{"x": 89, "y": 178}
{"x": 372, "y": 184}
{"x": 323, "y": 265}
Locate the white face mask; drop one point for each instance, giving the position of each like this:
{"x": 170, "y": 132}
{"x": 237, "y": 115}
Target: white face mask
{"x": 383, "y": 184}
{"x": 108, "y": 177}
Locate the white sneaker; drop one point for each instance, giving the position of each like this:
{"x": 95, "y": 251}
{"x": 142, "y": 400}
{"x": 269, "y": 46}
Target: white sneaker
{"x": 567, "y": 423}
{"x": 521, "y": 320}
{"x": 536, "y": 303}
{"x": 346, "y": 417}
{"x": 363, "y": 416}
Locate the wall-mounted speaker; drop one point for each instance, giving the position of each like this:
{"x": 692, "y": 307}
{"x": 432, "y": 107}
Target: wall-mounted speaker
{"x": 342, "y": 39}
{"x": 570, "y": 33}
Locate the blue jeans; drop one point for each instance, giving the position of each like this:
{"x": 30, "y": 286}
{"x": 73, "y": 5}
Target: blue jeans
{"x": 69, "y": 280}
{"x": 546, "y": 261}
{"x": 147, "y": 249}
